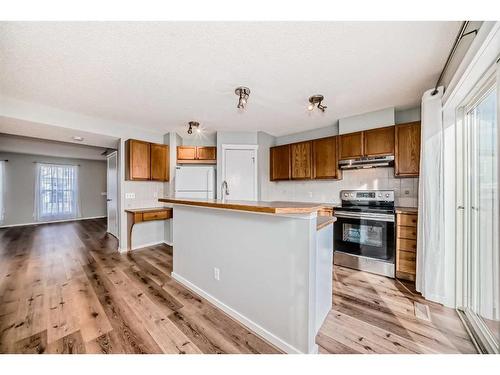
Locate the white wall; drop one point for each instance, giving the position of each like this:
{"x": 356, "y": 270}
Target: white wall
{"x": 365, "y": 121}
{"x": 231, "y": 138}
{"x": 20, "y": 176}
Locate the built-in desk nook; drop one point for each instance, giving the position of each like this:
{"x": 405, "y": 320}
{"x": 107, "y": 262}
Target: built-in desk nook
{"x": 139, "y": 215}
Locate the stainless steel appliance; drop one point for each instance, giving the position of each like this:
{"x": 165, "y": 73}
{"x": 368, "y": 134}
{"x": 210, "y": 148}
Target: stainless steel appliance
{"x": 364, "y": 234}
{"x": 367, "y": 162}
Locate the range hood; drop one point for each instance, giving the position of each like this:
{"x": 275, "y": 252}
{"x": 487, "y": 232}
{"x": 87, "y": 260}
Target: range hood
{"x": 369, "y": 162}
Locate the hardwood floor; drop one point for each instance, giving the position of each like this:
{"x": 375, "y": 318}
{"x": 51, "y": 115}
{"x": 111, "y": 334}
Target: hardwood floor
{"x": 375, "y": 314}
{"x": 65, "y": 289}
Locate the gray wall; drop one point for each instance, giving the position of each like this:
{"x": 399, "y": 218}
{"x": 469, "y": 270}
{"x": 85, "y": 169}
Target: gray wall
{"x": 20, "y": 174}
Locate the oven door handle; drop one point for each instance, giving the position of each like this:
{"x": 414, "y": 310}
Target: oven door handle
{"x": 380, "y": 217}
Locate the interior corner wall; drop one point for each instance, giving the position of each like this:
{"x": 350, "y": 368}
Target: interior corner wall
{"x": 20, "y": 172}
{"x": 265, "y": 142}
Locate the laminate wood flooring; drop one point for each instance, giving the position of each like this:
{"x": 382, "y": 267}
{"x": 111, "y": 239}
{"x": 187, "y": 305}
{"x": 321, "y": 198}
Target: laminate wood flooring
{"x": 64, "y": 288}
{"x": 376, "y": 314}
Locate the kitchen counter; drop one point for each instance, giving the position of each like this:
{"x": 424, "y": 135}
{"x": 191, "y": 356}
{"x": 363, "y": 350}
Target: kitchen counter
{"x": 246, "y": 256}
{"x": 251, "y": 206}
{"x": 406, "y": 210}
{"x": 148, "y": 209}
{"x": 324, "y": 221}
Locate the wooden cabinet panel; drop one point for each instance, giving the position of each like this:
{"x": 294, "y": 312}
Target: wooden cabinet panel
{"x": 325, "y": 158}
{"x": 407, "y": 150}
{"x": 186, "y": 152}
{"x": 206, "y": 153}
{"x": 138, "y": 163}
{"x": 279, "y": 162}
{"x": 409, "y": 233}
{"x": 351, "y": 146}
{"x": 379, "y": 142}
{"x": 301, "y": 160}
{"x": 407, "y": 220}
{"x": 160, "y": 215}
{"x": 407, "y": 245}
{"x": 159, "y": 162}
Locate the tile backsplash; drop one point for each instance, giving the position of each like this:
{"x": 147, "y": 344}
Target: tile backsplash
{"x": 146, "y": 193}
{"x": 328, "y": 191}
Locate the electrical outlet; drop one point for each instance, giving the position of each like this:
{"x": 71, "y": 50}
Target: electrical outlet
{"x": 407, "y": 192}
{"x": 216, "y": 274}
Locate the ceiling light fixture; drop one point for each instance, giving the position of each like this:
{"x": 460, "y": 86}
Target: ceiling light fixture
{"x": 194, "y": 124}
{"x": 243, "y": 93}
{"x": 316, "y": 100}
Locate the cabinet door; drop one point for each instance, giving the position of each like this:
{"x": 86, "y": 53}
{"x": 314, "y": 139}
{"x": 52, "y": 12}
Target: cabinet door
{"x": 279, "y": 161}
{"x": 379, "y": 142}
{"x": 186, "y": 152}
{"x": 301, "y": 157}
{"x": 407, "y": 150}
{"x": 206, "y": 153}
{"x": 137, "y": 160}
{"x": 159, "y": 162}
{"x": 351, "y": 146}
{"x": 325, "y": 158}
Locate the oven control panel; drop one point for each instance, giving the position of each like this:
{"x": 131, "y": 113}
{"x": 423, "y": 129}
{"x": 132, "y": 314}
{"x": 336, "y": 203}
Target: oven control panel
{"x": 367, "y": 195}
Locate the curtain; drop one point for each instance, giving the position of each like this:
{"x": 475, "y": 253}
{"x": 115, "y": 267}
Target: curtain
{"x": 56, "y": 192}
{"x": 2, "y": 191}
{"x": 430, "y": 280}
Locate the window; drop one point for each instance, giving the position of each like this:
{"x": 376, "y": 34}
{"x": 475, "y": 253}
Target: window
{"x": 56, "y": 193}
{"x": 2, "y": 191}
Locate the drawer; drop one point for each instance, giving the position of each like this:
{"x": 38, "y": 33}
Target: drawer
{"x": 409, "y": 233}
{"x": 407, "y": 220}
{"x": 158, "y": 215}
{"x": 407, "y": 245}
{"x": 137, "y": 217}
{"x": 406, "y": 262}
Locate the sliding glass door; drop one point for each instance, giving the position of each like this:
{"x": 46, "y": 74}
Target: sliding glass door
{"x": 481, "y": 219}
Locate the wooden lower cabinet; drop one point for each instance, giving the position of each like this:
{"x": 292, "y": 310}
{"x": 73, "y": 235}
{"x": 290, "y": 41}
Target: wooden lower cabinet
{"x": 406, "y": 246}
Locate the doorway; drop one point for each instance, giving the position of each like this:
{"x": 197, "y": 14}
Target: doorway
{"x": 112, "y": 193}
{"x": 239, "y": 170}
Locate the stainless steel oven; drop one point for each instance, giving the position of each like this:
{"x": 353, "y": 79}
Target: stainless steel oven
{"x": 364, "y": 234}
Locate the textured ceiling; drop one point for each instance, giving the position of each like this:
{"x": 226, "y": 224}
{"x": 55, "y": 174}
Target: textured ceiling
{"x": 160, "y": 75}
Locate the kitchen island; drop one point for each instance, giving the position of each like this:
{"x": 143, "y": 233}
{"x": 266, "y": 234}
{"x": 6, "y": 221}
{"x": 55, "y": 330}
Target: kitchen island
{"x": 266, "y": 264}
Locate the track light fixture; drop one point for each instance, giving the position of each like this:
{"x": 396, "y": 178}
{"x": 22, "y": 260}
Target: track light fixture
{"x": 243, "y": 93}
{"x": 316, "y": 100}
{"x": 194, "y": 124}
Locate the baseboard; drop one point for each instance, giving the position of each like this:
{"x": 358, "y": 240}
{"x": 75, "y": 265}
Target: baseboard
{"x": 169, "y": 243}
{"x": 256, "y": 328}
{"x": 53, "y": 222}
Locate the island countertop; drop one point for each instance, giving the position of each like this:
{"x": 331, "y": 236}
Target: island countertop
{"x": 275, "y": 207}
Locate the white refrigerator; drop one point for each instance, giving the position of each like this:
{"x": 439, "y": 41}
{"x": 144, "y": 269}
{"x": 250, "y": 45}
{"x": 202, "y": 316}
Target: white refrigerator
{"x": 195, "y": 182}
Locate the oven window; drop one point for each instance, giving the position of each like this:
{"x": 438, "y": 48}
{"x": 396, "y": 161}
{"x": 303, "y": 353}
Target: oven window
{"x": 369, "y": 235}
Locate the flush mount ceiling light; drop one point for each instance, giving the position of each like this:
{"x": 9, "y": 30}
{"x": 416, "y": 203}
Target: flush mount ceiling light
{"x": 243, "y": 93}
{"x": 194, "y": 124}
{"x": 316, "y": 100}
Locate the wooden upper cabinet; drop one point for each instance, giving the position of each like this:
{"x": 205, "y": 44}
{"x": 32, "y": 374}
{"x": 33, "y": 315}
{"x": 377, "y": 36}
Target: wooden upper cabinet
{"x": 279, "y": 162}
{"x": 159, "y": 162}
{"x": 206, "y": 153}
{"x": 379, "y": 142}
{"x": 186, "y": 152}
{"x": 325, "y": 158}
{"x": 407, "y": 149}
{"x": 351, "y": 146}
{"x": 138, "y": 162}
{"x": 301, "y": 160}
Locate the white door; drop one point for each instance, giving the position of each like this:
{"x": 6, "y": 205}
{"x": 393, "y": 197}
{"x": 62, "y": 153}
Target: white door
{"x": 239, "y": 170}
{"x": 112, "y": 194}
